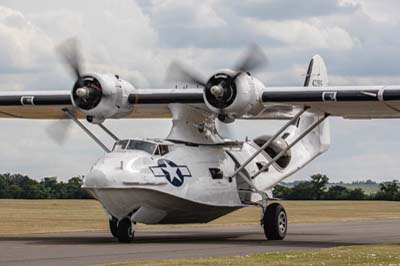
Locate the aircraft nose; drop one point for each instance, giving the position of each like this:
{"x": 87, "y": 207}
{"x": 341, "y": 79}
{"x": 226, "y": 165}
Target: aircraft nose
{"x": 96, "y": 179}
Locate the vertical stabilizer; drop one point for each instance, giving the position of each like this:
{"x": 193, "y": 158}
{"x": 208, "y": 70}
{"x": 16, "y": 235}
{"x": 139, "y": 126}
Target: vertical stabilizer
{"x": 317, "y": 75}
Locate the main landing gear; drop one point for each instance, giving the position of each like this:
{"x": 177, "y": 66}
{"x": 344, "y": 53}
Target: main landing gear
{"x": 123, "y": 230}
{"x": 274, "y": 222}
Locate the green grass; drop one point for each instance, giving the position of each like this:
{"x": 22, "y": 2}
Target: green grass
{"x": 379, "y": 255}
{"x": 43, "y": 216}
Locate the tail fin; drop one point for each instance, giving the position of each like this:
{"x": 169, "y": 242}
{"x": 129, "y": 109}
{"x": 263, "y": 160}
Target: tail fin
{"x": 317, "y": 75}
{"x": 319, "y": 138}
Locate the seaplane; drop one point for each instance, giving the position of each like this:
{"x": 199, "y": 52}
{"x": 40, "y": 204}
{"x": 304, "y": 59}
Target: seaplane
{"x": 196, "y": 175}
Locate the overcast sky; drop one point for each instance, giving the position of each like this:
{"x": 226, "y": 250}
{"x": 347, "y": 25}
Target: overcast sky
{"x": 359, "y": 40}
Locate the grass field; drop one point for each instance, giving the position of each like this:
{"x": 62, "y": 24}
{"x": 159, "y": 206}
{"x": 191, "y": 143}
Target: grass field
{"x": 379, "y": 255}
{"x": 42, "y": 216}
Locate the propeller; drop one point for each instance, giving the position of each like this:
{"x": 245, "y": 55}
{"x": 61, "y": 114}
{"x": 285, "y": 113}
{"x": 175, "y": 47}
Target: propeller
{"x": 220, "y": 90}
{"x": 70, "y": 54}
{"x": 177, "y": 71}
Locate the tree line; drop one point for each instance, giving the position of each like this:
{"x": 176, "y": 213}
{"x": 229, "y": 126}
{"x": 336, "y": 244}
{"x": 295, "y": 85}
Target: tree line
{"x": 16, "y": 186}
{"x": 317, "y": 189}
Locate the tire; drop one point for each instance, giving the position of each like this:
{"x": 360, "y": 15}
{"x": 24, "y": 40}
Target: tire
{"x": 125, "y": 231}
{"x": 275, "y": 222}
{"x": 114, "y": 227}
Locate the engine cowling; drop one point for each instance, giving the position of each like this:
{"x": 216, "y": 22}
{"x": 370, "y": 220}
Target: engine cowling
{"x": 231, "y": 95}
{"x": 102, "y": 96}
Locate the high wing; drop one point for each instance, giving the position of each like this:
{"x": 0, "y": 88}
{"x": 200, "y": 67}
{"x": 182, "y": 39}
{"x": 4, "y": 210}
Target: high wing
{"x": 363, "y": 102}
{"x": 150, "y": 103}
{"x": 228, "y": 95}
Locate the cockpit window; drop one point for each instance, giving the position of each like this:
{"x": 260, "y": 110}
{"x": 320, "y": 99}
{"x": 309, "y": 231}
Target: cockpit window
{"x": 142, "y": 145}
{"x": 162, "y": 150}
{"x": 120, "y": 145}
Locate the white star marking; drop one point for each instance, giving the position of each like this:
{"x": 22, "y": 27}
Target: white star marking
{"x": 173, "y": 172}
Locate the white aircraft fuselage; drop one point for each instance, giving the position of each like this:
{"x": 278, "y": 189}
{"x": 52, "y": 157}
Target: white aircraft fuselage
{"x": 166, "y": 188}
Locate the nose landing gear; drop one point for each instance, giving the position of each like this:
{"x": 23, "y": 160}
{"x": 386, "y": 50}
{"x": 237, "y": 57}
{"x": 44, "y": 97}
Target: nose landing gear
{"x": 123, "y": 230}
{"x": 274, "y": 222}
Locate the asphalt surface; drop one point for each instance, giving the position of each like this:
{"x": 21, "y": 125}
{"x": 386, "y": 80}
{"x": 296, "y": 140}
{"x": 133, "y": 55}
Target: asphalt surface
{"x": 99, "y": 247}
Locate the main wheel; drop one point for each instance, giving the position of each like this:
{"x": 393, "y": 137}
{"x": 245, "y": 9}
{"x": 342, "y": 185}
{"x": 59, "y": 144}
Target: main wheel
{"x": 113, "y": 222}
{"x": 125, "y": 231}
{"x": 275, "y": 222}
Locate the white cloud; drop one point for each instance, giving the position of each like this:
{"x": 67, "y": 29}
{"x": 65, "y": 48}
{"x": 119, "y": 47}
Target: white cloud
{"x": 304, "y": 34}
{"x": 23, "y": 46}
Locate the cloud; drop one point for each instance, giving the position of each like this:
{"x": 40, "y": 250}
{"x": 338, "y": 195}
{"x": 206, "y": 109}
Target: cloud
{"x": 309, "y": 34}
{"x": 288, "y": 9}
{"x": 23, "y": 46}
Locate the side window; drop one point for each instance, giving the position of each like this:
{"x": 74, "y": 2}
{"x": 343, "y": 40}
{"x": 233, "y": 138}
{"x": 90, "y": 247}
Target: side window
{"x": 216, "y": 173}
{"x": 163, "y": 149}
{"x": 260, "y": 165}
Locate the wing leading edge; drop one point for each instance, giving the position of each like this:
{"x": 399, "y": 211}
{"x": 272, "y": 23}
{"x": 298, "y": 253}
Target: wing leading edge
{"x": 151, "y": 103}
{"x": 344, "y": 101}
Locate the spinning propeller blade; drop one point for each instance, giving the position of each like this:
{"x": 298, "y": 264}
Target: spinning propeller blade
{"x": 253, "y": 60}
{"x": 70, "y": 53}
{"x": 179, "y": 72}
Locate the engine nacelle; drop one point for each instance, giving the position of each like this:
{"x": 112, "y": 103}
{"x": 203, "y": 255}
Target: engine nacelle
{"x": 231, "y": 95}
{"x": 102, "y": 96}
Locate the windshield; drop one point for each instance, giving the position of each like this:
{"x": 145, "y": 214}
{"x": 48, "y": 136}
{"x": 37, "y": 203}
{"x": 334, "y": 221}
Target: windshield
{"x": 142, "y": 145}
{"x": 120, "y": 145}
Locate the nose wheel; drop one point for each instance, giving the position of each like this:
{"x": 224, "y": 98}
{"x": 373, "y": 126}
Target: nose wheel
{"x": 275, "y": 222}
{"x": 123, "y": 230}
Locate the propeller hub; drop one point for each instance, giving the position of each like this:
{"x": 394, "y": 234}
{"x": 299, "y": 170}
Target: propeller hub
{"x": 82, "y": 92}
{"x": 220, "y": 90}
{"x": 217, "y": 91}
{"x": 87, "y": 93}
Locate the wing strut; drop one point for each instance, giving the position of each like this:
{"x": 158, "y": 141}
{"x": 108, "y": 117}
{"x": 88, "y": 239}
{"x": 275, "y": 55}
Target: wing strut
{"x": 87, "y": 131}
{"x": 112, "y": 135}
{"x": 277, "y": 134}
{"x": 299, "y": 138}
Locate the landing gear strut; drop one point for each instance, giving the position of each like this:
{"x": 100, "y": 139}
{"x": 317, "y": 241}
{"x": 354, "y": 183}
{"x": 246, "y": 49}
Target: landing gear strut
{"x": 274, "y": 222}
{"x": 123, "y": 230}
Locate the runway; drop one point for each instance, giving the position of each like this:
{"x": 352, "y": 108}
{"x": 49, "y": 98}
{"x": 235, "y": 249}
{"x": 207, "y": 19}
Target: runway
{"x": 99, "y": 247}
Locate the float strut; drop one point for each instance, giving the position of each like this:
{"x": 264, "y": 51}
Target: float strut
{"x": 112, "y": 135}
{"x": 299, "y": 138}
{"x": 274, "y": 137}
{"x": 87, "y": 131}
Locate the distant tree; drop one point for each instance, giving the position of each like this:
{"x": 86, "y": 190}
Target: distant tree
{"x": 302, "y": 191}
{"x": 370, "y": 182}
{"x": 14, "y": 191}
{"x": 319, "y": 183}
{"x": 337, "y": 193}
{"x": 281, "y": 191}
{"x": 74, "y": 190}
{"x": 3, "y": 187}
{"x": 388, "y": 191}
{"x": 18, "y": 186}
{"x": 50, "y": 187}
{"x": 356, "y": 194}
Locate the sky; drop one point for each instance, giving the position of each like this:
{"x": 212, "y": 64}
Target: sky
{"x": 359, "y": 40}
